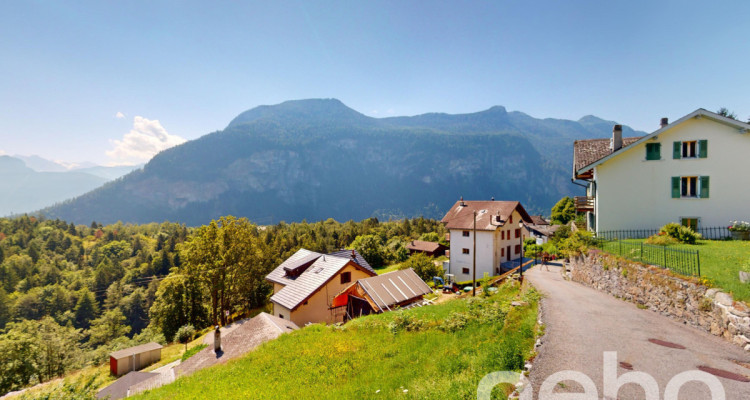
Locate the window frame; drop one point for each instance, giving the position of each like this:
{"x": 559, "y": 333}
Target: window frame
{"x": 690, "y": 149}
{"x": 688, "y": 219}
{"x": 345, "y": 277}
{"x": 465, "y": 251}
{"x": 465, "y": 233}
{"x": 465, "y": 271}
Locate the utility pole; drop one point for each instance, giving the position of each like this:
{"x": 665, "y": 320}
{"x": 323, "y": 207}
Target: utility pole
{"x": 474, "y": 263}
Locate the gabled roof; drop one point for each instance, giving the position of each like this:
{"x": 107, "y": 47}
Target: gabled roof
{"x": 586, "y": 152}
{"x": 303, "y": 258}
{"x": 588, "y": 163}
{"x": 490, "y": 214}
{"x": 539, "y": 220}
{"x": 421, "y": 245}
{"x": 117, "y": 355}
{"x": 298, "y": 259}
{"x": 315, "y": 276}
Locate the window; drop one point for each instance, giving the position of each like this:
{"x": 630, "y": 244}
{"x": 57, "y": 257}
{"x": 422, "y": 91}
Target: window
{"x": 510, "y": 219}
{"x": 502, "y": 235}
{"x": 653, "y": 151}
{"x": 690, "y": 149}
{"x": 465, "y": 271}
{"x": 691, "y": 223}
{"x": 518, "y": 233}
{"x": 281, "y": 316}
{"x": 518, "y": 249}
{"x": 465, "y": 251}
{"x": 466, "y": 233}
{"x": 346, "y": 277}
{"x": 690, "y": 186}
{"x": 502, "y": 252}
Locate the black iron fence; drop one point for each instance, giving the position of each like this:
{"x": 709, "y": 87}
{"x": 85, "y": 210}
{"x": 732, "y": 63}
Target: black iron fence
{"x": 681, "y": 261}
{"x": 712, "y": 233}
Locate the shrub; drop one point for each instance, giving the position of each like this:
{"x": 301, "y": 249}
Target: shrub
{"x": 424, "y": 266}
{"x": 682, "y": 234}
{"x": 454, "y": 322}
{"x": 185, "y": 334}
{"x": 661, "y": 240}
{"x": 405, "y": 322}
{"x": 577, "y": 244}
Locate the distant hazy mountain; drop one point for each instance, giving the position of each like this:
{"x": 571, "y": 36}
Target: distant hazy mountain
{"x": 109, "y": 173}
{"x": 26, "y": 190}
{"x": 318, "y": 159}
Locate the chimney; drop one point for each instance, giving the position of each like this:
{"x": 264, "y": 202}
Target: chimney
{"x": 493, "y": 198}
{"x": 354, "y": 255}
{"x": 616, "y": 143}
{"x": 462, "y": 201}
{"x": 664, "y": 122}
{"x": 217, "y": 339}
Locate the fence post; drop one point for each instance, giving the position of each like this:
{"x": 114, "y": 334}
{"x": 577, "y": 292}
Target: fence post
{"x": 698, "y": 259}
{"x": 665, "y": 257}
{"x": 619, "y": 242}
{"x": 641, "y": 251}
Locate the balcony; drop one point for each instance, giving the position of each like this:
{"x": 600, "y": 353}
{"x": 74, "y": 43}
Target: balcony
{"x": 584, "y": 203}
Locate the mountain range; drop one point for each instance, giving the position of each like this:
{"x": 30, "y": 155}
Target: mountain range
{"x": 29, "y": 183}
{"x": 318, "y": 159}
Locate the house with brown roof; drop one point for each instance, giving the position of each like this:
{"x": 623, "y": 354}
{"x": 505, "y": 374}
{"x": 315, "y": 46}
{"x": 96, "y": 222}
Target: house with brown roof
{"x": 394, "y": 290}
{"x": 431, "y": 249}
{"x": 684, "y": 172}
{"x": 498, "y": 236}
{"x": 305, "y": 284}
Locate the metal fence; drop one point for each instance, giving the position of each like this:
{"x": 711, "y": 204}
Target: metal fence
{"x": 681, "y": 261}
{"x": 712, "y": 233}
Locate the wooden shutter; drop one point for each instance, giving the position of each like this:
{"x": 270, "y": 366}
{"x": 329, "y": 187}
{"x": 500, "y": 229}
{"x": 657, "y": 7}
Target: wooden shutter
{"x": 677, "y": 152}
{"x": 675, "y": 187}
{"x": 702, "y": 148}
{"x": 704, "y": 187}
{"x": 653, "y": 151}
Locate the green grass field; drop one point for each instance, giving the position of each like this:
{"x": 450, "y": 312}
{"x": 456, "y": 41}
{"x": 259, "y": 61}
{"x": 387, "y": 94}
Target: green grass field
{"x": 435, "y": 352}
{"x": 720, "y": 262}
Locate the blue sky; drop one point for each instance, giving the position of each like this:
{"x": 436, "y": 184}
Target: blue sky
{"x": 89, "y": 80}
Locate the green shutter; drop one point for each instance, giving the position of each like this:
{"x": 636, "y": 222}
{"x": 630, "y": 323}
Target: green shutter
{"x": 653, "y": 151}
{"x": 677, "y": 153}
{"x": 704, "y": 187}
{"x": 675, "y": 187}
{"x": 702, "y": 148}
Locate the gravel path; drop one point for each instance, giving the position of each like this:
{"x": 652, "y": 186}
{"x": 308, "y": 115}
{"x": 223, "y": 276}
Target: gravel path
{"x": 583, "y": 323}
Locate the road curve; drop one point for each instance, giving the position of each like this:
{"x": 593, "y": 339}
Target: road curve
{"x": 581, "y": 324}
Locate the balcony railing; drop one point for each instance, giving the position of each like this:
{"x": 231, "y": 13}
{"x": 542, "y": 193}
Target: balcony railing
{"x": 584, "y": 203}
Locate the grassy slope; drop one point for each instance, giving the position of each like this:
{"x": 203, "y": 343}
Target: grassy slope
{"x": 364, "y": 359}
{"x": 720, "y": 262}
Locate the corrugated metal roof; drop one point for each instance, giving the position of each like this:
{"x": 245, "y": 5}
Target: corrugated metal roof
{"x": 135, "y": 350}
{"x": 357, "y": 258}
{"x": 490, "y": 214}
{"x": 393, "y": 288}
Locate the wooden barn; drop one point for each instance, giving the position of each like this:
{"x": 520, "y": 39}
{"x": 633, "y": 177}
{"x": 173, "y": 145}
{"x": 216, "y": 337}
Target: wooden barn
{"x": 377, "y": 294}
{"x": 134, "y": 358}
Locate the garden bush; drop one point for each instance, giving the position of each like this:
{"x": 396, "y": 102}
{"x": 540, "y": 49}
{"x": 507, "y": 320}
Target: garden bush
{"x": 682, "y": 234}
{"x": 661, "y": 240}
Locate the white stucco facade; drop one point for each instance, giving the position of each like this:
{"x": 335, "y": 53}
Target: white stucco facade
{"x": 493, "y": 248}
{"x": 632, "y": 192}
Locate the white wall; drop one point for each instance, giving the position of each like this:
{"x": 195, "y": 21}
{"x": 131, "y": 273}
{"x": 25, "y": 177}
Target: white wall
{"x": 489, "y": 244}
{"x": 633, "y": 193}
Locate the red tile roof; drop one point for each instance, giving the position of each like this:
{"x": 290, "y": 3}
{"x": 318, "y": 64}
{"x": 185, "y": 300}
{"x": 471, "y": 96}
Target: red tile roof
{"x": 421, "y": 245}
{"x": 589, "y": 151}
{"x": 490, "y": 214}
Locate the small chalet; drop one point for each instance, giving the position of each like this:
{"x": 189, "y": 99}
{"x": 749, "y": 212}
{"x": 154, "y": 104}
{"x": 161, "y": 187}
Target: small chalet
{"x": 499, "y": 233}
{"x": 431, "y": 249}
{"x": 397, "y": 289}
{"x": 304, "y": 284}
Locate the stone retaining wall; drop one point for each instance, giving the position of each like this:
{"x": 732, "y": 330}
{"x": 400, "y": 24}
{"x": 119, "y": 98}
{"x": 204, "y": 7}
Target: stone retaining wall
{"x": 686, "y": 300}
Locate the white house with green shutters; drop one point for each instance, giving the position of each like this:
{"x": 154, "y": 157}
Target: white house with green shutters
{"x": 694, "y": 171}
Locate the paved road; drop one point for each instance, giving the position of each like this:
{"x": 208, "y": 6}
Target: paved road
{"x": 583, "y": 323}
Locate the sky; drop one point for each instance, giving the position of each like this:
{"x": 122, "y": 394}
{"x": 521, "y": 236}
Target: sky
{"x": 115, "y": 82}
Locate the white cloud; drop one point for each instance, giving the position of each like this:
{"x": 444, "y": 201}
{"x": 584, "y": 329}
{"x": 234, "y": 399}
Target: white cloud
{"x": 144, "y": 141}
{"x": 2, "y": 152}
{"x": 119, "y": 115}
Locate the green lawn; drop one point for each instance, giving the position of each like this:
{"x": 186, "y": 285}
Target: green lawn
{"x": 424, "y": 357}
{"x": 720, "y": 262}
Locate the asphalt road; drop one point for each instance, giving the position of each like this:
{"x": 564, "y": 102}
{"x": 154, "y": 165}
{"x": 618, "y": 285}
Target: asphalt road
{"x": 581, "y": 324}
